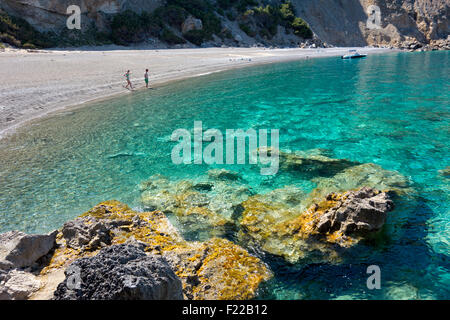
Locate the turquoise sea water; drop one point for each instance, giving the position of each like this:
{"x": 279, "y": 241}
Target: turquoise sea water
{"x": 391, "y": 109}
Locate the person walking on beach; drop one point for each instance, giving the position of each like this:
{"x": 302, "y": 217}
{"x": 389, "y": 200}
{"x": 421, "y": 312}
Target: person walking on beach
{"x": 127, "y": 76}
{"x": 146, "y": 78}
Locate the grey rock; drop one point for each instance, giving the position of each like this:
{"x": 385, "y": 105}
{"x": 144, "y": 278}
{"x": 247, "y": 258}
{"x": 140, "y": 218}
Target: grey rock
{"x": 17, "y": 285}
{"x": 361, "y": 212}
{"x": 120, "y": 272}
{"x": 18, "y": 250}
{"x": 50, "y": 15}
{"x": 191, "y": 23}
{"x": 86, "y": 233}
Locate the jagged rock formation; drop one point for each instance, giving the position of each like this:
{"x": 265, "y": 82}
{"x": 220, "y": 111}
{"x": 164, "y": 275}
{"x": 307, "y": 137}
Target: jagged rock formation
{"x": 121, "y": 272}
{"x": 411, "y": 24}
{"x": 17, "y": 285}
{"x": 349, "y": 203}
{"x": 18, "y": 250}
{"x": 355, "y": 213}
{"x": 47, "y": 15}
{"x": 296, "y": 234}
{"x": 86, "y": 234}
{"x": 216, "y": 269}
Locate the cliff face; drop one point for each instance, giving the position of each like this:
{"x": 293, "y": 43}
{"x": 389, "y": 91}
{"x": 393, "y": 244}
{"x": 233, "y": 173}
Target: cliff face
{"x": 344, "y": 23}
{"x": 402, "y": 23}
{"x": 50, "y": 15}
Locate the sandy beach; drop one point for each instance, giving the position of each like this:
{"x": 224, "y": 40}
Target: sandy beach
{"x": 34, "y": 84}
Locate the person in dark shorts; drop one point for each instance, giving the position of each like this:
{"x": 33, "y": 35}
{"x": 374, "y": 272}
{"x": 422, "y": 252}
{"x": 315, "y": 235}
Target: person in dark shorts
{"x": 146, "y": 78}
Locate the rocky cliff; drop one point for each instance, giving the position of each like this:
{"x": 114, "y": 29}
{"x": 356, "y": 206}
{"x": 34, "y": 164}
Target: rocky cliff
{"x": 402, "y": 22}
{"x": 47, "y": 15}
{"x": 411, "y": 24}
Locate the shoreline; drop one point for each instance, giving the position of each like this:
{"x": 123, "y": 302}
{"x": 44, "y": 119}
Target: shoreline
{"x": 57, "y": 80}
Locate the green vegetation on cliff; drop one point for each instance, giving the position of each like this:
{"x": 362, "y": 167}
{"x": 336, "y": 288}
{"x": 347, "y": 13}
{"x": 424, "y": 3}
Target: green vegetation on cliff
{"x": 265, "y": 20}
{"x": 19, "y": 33}
{"x": 166, "y": 24}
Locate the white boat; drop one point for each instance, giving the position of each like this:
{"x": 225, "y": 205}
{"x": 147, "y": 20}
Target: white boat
{"x": 353, "y": 54}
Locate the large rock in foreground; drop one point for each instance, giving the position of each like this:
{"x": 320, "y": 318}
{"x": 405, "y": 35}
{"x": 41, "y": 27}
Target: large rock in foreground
{"x": 215, "y": 269}
{"x": 18, "y": 250}
{"x": 121, "y": 272}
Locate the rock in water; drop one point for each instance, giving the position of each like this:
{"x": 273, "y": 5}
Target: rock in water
{"x": 363, "y": 175}
{"x": 205, "y": 208}
{"x": 359, "y": 212}
{"x": 297, "y": 234}
{"x": 121, "y": 272}
{"x": 18, "y": 250}
{"x": 315, "y": 162}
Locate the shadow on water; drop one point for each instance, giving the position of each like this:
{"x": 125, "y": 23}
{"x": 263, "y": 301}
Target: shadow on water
{"x": 403, "y": 256}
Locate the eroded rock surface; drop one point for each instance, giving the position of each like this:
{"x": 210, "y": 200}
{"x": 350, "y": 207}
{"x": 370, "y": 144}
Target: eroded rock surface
{"x": 295, "y": 234}
{"x": 17, "y": 285}
{"x": 86, "y": 234}
{"x": 18, "y": 250}
{"x": 216, "y": 269}
{"x": 121, "y": 272}
{"x": 191, "y": 23}
{"x": 356, "y": 212}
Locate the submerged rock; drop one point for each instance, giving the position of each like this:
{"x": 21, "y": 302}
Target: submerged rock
{"x": 312, "y": 234}
{"x": 363, "y": 175}
{"x": 205, "y": 207}
{"x": 216, "y": 269}
{"x": 18, "y": 250}
{"x": 223, "y": 174}
{"x": 121, "y": 272}
{"x": 445, "y": 172}
{"x": 314, "y": 161}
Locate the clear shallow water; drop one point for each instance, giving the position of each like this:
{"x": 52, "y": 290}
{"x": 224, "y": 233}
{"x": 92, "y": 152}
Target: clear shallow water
{"x": 392, "y": 110}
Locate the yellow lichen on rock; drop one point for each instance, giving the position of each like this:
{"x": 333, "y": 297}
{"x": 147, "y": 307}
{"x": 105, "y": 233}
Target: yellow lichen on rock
{"x": 340, "y": 219}
{"x": 232, "y": 270}
{"x": 281, "y": 230}
{"x": 216, "y": 269}
{"x": 111, "y": 209}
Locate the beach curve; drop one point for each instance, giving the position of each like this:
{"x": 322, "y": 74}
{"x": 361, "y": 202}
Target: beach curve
{"x": 53, "y": 80}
